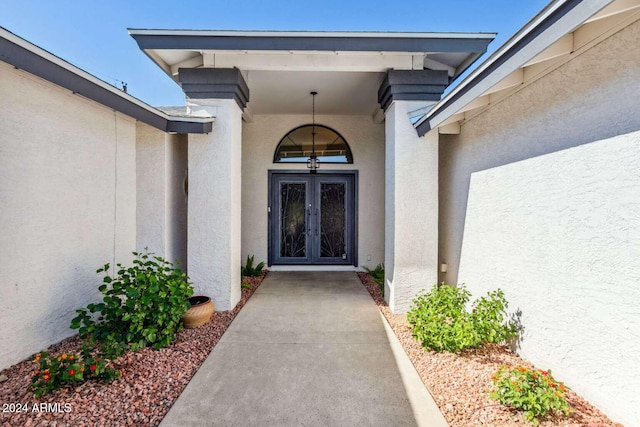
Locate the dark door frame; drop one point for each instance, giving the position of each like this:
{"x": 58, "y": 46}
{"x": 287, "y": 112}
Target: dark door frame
{"x": 272, "y": 202}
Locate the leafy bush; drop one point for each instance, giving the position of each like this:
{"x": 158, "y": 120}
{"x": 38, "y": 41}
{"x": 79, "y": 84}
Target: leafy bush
{"x": 249, "y": 270}
{"x": 142, "y": 306}
{"x": 441, "y": 322}
{"x": 488, "y": 316}
{"x": 378, "y": 276}
{"x": 68, "y": 368}
{"x": 535, "y": 392}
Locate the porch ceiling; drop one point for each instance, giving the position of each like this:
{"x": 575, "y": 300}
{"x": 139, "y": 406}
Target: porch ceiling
{"x": 287, "y": 92}
{"x": 281, "y": 68}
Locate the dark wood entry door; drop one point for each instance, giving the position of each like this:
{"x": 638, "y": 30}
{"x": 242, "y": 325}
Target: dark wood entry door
{"x": 312, "y": 219}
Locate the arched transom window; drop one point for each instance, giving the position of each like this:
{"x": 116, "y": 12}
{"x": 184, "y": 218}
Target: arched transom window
{"x": 296, "y": 146}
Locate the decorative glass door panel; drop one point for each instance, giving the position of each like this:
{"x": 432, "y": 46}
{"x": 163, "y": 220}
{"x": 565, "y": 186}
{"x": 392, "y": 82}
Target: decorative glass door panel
{"x": 312, "y": 218}
{"x": 293, "y": 229}
{"x": 332, "y": 219}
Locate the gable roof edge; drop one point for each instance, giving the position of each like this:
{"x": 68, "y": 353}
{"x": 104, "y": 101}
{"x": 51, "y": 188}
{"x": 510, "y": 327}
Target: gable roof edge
{"x": 554, "y": 21}
{"x": 26, "y": 56}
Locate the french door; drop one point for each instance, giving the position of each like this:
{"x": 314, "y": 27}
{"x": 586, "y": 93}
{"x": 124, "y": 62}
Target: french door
{"x": 312, "y": 218}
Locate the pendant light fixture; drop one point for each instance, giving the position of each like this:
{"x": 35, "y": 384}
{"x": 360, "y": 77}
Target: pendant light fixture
{"x": 312, "y": 163}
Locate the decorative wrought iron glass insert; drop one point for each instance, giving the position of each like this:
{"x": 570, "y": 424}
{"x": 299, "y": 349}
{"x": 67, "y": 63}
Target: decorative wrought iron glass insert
{"x": 293, "y": 226}
{"x": 332, "y": 219}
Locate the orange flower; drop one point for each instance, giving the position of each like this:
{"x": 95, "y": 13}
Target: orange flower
{"x": 64, "y": 356}
{"x": 46, "y": 371}
{"x": 71, "y": 357}
{"x": 46, "y": 377}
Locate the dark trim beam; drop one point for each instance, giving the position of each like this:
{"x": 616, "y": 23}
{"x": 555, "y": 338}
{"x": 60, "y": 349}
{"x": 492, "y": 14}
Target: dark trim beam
{"x": 175, "y": 126}
{"x": 412, "y": 85}
{"x": 37, "y": 65}
{"x": 301, "y": 43}
{"x": 214, "y": 83}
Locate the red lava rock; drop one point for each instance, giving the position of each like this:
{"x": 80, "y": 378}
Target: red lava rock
{"x": 460, "y": 383}
{"x": 140, "y": 397}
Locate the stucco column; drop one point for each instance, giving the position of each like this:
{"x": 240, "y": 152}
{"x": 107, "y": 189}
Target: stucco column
{"x": 214, "y": 200}
{"x": 213, "y": 242}
{"x": 411, "y": 209}
{"x": 411, "y": 186}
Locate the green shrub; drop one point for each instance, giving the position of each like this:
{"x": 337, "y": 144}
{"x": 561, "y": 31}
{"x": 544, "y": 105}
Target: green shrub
{"x": 441, "y": 322}
{"x": 378, "y": 276}
{"x": 489, "y": 316}
{"x": 249, "y": 270}
{"x": 69, "y": 368}
{"x": 142, "y": 306}
{"x": 535, "y": 392}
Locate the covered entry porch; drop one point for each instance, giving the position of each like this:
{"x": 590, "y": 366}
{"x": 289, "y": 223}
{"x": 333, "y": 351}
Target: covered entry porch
{"x": 257, "y": 85}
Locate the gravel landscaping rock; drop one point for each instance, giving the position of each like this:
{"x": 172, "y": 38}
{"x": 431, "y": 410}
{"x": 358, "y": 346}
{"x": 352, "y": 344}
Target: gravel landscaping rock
{"x": 151, "y": 381}
{"x": 460, "y": 383}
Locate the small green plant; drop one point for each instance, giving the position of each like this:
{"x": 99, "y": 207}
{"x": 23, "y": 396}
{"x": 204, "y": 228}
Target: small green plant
{"x": 488, "y": 317}
{"x": 378, "y": 276}
{"x": 249, "y": 270}
{"x": 69, "y": 368}
{"x": 441, "y": 322}
{"x": 142, "y": 306}
{"x": 439, "y": 319}
{"x": 535, "y": 392}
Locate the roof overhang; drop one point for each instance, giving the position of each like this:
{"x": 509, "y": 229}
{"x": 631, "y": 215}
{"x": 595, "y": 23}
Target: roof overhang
{"x": 562, "y": 30}
{"x": 37, "y": 61}
{"x": 281, "y": 67}
{"x": 174, "y": 49}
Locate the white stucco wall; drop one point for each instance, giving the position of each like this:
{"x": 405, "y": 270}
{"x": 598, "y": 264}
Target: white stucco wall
{"x": 67, "y": 206}
{"x": 161, "y": 169}
{"x": 366, "y": 140}
{"x": 151, "y": 177}
{"x": 177, "y": 203}
{"x": 540, "y": 196}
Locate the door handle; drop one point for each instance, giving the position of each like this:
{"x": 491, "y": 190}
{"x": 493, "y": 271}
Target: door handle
{"x": 317, "y": 219}
{"x": 309, "y": 221}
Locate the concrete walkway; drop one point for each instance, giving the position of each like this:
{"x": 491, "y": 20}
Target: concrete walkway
{"x": 309, "y": 348}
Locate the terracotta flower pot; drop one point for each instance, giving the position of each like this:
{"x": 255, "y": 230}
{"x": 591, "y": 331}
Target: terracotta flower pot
{"x": 199, "y": 313}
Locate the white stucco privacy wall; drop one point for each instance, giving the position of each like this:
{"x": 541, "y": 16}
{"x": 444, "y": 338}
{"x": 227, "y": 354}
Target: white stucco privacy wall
{"x": 540, "y": 196}
{"x": 366, "y": 140}
{"x": 67, "y": 197}
{"x": 559, "y": 233}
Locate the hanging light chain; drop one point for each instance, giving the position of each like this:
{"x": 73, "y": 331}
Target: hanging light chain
{"x": 313, "y": 163}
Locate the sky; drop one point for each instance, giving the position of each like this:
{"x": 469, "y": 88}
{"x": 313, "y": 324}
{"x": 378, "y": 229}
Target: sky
{"x": 93, "y": 34}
